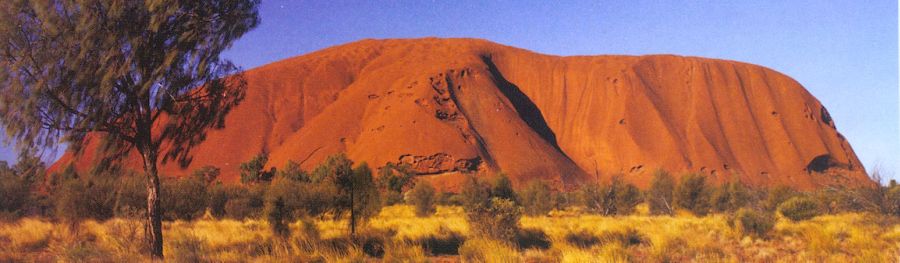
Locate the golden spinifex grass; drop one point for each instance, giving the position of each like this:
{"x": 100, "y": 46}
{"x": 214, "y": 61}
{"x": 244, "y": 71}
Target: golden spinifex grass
{"x": 573, "y": 236}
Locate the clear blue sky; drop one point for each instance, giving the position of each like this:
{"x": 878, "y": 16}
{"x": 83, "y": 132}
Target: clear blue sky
{"x": 844, "y": 52}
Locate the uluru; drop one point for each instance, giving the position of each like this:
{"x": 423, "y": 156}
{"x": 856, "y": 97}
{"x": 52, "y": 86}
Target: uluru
{"x": 454, "y": 106}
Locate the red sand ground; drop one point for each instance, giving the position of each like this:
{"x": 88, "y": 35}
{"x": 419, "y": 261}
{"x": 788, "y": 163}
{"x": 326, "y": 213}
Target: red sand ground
{"x": 453, "y": 105}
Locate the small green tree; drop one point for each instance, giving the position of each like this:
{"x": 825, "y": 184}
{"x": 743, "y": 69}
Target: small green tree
{"x": 293, "y": 172}
{"x": 187, "y": 198}
{"x": 617, "y": 198}
{"x": 660, "y": 196}
{"x": 778, "y": 195}
{"x": 253, "y": 171}
{"x": 502, "y": 188}
{"x": 13, "y": 192}
{"x": 207, "y": 174}
{"x": 422, "y": 197}
{"x": 753, "y": 223}
{"x": 730, "y": 197}
{"x": 393, "y": 179}
{"x": 693, "y": 194}
{"x": 537, "y": 198}
{"x": 275, "y": 214}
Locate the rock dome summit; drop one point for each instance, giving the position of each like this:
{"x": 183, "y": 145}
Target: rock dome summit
{"x": 455, "y": 106}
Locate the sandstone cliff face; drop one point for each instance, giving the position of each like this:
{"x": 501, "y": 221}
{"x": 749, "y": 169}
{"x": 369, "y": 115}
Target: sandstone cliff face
{"x": 453, "y": 106}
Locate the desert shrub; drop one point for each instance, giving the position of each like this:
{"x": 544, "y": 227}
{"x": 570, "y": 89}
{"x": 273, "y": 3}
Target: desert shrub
{"x": 393, "y": 179}
{"x": 778, "y": 195}
{"x": 293, "y": 195}
{"x": 131, "y": 194}
{"x": 498, "y": 220}
{"x": 799, "y": 208}
{"x": 218, "y": 195}
{"x": 92, "y": 197}
{"x": 693, "y": 194}
{"x": 184, "y": 198}
{"x": 730, "y": 197}
{"x": 207, "y": 174}
{"x": 528, "y": 238}
{"x": 372, "y": 242}
{"x": 253, "y": 171}
{"x": 660, "y": 196}
{"x": 475, "y": 194}
{"x": 276, "y": 214}
{"x": 502, "y": 188}
{"x": 422, "y": 197}
{"x": 245, "y": 203}
{"x": 13, "y": 192}
{"x": 618, "y": 198}
{"x": 537, "y": 198}
{"x": 449, "y": 198}
{"x": 750, "y": 222}
{"x": 292, "y": 171}
{"x": 624, "y": 236}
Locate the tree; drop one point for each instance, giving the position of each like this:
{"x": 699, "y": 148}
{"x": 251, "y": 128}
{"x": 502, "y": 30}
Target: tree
{"x": 356, "y": 190}
{"x": 393, "y": 179}
{"x": 661, "y": 193}
{"x": 693, "y": 194}
{"x": 537, "y": 198}
{"x": 253, "y": 171}
{"x": 422, "y": 197}
{"x": 135, "y": 75}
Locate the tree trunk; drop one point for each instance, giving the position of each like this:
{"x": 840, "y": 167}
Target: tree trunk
{"x": 154, "y": 219}
{"x": 352, "y": 213}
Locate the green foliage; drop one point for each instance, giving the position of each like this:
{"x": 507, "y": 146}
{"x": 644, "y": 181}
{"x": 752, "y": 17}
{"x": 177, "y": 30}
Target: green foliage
{"x": 131, "y": 194}
{"x": 502, "y": 188}
{"x": 799, "y": 208}
{"x": 13, "y": 191}
{"x": 276, "y": 213}
{"x": 292, "y": 171}
{"x": 253, "y": 171}
{"x": 778, "y": 195}
{"x": 693, "y": 194}
{"x": 499, "y": 220}
{"x": 184, "y": 198}
{"x": 92, "y": 197}
{"x": 730, "y": 197}
{"x": 207, "y": 174}
{"x": 219, "y": 194}
{"x": 753, "y": 223}
{"x": 393, "y": 179}
{"x": 537, "y": 198}
{"x": 617, "y": 198}
{"x": 491, "y": 215}
{"x": 660, "y": 196}
{"x": 422, "y": 197}
{"x": 365, "y": 200}
{"x": 246, "y": 202}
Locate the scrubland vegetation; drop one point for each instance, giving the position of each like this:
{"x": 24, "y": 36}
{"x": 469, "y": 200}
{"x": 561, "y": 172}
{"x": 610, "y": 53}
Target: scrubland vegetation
{"x": 339, "y": 212}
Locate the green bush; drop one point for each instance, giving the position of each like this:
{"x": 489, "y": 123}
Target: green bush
{"x": 778, "y": 195}
{"x": 13, "y": 192}
{"x": 253, "y": 171}
{"x": 131, "y": 195}
{"x": 93, "y": 197}
{"x": 184, "y": 198}
{"x": 276, "y": 214}
{"x": 730, "y": 197}
{"x": 693, "y": 194}
{"x": 502, "y": 188}
{"x": 246, "y": 203}
{"x": 422, "y": 197}
{"x": 618, "y": 198}
{"x": 753, "y": 223}
{"x": 537, "y": 198}
{"x": 799, "y": 208}
{"x": 393, "y": 179}
{"x": 660, "y": 196}
{"x": 499, "y": 220}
